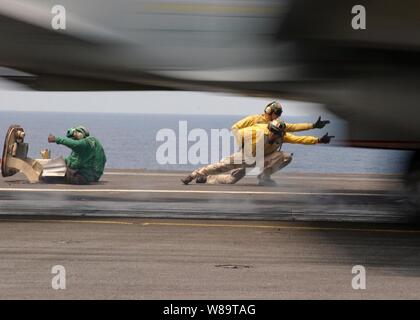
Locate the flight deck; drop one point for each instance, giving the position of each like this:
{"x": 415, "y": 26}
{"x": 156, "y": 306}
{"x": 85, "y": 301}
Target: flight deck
{"x": 141, "y": 234}
{"x": 160, "y": 194}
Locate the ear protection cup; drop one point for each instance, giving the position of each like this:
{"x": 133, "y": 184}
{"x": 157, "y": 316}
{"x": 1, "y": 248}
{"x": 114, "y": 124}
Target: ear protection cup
{"x": 273, "y": 107}
{"x": 70, "y": 133}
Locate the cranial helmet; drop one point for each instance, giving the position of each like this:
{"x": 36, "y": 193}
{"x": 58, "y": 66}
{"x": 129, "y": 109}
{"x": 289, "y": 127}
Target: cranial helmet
{"x": 274, "y": 107}
{"x": 277, "y": 127}
{"x": 78, "y": 132}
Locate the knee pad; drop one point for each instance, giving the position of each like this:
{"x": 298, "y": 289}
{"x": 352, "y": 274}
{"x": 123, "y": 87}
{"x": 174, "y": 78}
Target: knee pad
{"x": 201, "y": 179}
{"x": 239, "y": 173}
{"x": 236, "y": 175}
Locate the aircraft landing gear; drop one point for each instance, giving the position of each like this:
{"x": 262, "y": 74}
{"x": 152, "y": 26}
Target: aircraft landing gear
{"x": 15, "y": 156}
{"x": 413, "y": 181}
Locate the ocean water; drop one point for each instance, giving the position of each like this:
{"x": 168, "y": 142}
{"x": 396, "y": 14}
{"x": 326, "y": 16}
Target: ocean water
{"x": 130, "y": 141}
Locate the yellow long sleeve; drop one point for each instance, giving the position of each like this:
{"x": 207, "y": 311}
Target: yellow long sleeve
{"x": 251, "y": 136}
{"x": 249, "y": 121}
{"x": 294, "y": 127}
{"x": 290, "y": 138}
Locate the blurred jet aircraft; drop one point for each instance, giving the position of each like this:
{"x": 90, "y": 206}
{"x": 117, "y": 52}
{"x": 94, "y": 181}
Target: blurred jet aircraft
{"x": 300, "y": 49}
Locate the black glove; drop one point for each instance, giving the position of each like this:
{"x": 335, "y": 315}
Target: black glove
{"x": 319, "y": 124}
{"x": 325, "y": 138}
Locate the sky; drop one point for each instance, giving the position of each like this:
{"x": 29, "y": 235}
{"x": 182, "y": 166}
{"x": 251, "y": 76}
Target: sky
{"x": 14, "y": 97}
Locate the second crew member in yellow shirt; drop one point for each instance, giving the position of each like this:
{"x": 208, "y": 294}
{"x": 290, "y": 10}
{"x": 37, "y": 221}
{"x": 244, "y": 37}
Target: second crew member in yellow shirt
{"x": 271, "y": 136}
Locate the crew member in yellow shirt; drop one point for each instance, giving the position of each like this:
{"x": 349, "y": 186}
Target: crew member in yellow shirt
{"x": 273, "y": 111}
{"x": 272, "y": 136}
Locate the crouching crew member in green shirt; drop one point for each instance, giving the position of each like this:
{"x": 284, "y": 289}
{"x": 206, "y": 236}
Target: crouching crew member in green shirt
{"x": 86, "y": 163}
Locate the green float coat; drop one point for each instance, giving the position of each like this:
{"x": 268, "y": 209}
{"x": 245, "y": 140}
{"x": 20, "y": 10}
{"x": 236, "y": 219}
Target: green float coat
{"x": 88, "y": 156}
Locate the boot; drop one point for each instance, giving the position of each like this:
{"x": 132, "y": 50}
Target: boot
{"x": 266, "y": 181}
{"x": 187, "y": 179}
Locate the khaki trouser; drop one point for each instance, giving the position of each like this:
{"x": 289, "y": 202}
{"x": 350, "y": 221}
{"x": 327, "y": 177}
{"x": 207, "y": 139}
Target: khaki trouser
{"x": 228, "y": 172}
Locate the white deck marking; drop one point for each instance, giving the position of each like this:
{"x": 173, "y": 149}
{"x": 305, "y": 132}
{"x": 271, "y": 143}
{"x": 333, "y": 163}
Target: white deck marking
{"x": 282, "y": 177}
{"x": 68, "y": 221}
{"x": 83, "y": 190}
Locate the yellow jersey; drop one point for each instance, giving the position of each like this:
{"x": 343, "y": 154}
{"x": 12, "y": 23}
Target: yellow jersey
{"x": 259, "y": 133}
{"x": 261, "y": 119}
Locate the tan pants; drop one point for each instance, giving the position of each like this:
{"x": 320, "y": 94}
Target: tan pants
{"x": 74, "y": 177}
{"x": 228, "y": 172}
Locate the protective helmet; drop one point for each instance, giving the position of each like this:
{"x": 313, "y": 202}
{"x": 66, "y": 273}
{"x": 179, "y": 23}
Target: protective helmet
{"x": 274, "y": 107}
{"x": 277, "y": 127}
{"x": 78, "y": 132}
